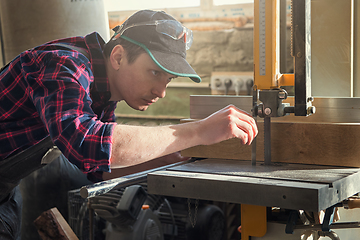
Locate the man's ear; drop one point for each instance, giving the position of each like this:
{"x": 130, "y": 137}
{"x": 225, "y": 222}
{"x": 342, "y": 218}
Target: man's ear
{"x": 116, "y": 56}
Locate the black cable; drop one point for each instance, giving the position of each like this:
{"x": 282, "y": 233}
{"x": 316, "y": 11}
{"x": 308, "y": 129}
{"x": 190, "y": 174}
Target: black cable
{"x": 172, "y": 218}
{"x": 2, "y": 43}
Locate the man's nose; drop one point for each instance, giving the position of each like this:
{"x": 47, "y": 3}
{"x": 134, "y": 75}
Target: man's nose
{"x": 159, "y": 90}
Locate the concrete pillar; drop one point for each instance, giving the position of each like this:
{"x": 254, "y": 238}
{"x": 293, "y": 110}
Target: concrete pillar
{"x": 26, "y": 24}
{"x": 206, "y": 4}
{"x": 331, "y": 48}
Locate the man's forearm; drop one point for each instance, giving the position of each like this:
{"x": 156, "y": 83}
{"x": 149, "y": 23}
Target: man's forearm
{"x": 137, "y": 144}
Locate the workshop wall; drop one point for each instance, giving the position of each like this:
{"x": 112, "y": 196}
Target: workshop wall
{"x": 222, "y": 51}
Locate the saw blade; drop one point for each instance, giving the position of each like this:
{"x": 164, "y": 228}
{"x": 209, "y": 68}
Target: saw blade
{"x": 291, "y": 29}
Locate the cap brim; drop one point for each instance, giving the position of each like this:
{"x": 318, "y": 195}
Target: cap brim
{"x": 170, "y": 62}
{"x": 174, "y": 64}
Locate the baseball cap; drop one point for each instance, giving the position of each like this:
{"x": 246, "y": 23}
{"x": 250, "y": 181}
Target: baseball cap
{"x": 163, "y": 38}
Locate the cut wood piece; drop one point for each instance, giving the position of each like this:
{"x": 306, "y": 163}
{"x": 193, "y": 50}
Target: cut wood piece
{"x": 332, "y": 144}
{"x": 52, "y": 225}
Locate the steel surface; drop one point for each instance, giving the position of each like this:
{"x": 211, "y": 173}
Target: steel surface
{"x": 280, "y": 171}
{"x": 291, "y": 186}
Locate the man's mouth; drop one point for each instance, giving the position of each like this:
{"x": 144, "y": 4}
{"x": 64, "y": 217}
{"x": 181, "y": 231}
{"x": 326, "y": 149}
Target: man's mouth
{"x": 149, "y": 102}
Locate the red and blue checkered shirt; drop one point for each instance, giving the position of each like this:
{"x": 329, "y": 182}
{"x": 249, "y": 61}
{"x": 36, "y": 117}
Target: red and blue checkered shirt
{"x": 59, "y": 92}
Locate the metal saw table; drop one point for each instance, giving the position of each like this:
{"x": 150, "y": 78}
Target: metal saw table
{"x": 290, "y": 186}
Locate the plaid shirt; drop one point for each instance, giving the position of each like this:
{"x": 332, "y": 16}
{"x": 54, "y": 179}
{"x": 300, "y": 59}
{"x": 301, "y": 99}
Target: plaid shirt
{"x": 57, "y": 91}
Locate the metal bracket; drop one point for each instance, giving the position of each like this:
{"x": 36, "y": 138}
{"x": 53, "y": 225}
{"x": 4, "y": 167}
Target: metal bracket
{"x": 328, "y": 219}
{"x": 291, "y": 223}
{"x": 270, "y": 105}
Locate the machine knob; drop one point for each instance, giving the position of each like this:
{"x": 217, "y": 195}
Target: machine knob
{"x": 217, "y": 82}
{"x": 249, "y": 86}
{"x": 228, "y": 84}
{"x": 238, "y": 85}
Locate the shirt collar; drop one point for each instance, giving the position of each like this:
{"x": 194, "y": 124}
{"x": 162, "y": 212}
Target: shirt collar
{"x": 95, "y": 44}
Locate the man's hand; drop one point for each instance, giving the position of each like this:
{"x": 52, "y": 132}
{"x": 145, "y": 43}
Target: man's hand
{"x": 229, "y": 122}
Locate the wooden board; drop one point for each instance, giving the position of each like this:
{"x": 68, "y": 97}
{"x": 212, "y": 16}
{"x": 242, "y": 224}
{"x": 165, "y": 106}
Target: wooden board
{"x": 52, "y": 225}
{"x": 333, "y": 144}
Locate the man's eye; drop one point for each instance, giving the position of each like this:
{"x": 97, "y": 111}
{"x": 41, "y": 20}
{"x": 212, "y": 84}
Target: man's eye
{"x": 155, "y": 73}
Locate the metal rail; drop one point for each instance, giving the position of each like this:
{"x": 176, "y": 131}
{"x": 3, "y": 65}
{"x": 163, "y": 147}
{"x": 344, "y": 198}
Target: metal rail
{"x": 103, "y": 187}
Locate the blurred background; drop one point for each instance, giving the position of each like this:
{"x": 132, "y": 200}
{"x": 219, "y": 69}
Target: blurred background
{"x": 222, "y": 48}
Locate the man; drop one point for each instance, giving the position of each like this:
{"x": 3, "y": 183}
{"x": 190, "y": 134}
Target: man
{"x": 71, "y": 96}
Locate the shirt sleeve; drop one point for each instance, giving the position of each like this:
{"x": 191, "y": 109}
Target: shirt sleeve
{"x": 59, "y": 88}
{"x": 109, "y": 113}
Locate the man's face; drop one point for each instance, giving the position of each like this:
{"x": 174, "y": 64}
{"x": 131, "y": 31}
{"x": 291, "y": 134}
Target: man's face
{"x": 140, "y": 83}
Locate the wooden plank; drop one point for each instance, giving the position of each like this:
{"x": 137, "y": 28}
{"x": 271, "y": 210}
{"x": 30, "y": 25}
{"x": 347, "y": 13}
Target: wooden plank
{"x": 52, "y": 225}
{"x": 333, "y": 144}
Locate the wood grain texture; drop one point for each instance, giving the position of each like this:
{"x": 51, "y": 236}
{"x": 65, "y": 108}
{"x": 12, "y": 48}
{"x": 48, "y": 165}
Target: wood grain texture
{"x": 332, "y": 144}
{"x": 52, "y": 225}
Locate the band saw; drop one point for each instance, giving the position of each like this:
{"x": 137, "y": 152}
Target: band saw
{"x": 305, "y": 158}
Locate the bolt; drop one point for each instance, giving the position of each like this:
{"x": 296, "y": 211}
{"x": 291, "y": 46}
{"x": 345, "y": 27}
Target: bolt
{"x": 310, "y": 99}
{"x": 267, "y": 111}
{"x": 299, "y": 54}
{"x": 282, "y": 95}
{"x": 311, "y": 110}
